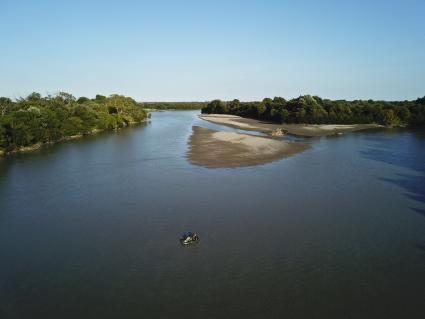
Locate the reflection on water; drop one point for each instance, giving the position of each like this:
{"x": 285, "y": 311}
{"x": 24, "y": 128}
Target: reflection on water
{"x": 90, "y": 228}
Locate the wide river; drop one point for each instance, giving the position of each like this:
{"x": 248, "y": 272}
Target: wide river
{"x": 90, "y": 229}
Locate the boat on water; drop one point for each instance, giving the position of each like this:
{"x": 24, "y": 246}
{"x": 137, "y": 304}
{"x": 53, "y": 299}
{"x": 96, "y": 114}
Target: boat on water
{"x": 189, "y": 238}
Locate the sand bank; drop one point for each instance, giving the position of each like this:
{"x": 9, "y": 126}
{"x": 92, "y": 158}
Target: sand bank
{"x": 227, "y": 149}
{"x": 294, "y": 129}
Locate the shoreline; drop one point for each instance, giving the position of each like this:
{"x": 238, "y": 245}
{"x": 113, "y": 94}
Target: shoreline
{"x": 38, "y": 146}
{"x": 218, "y": 149}
{"x": 305, "y": 130}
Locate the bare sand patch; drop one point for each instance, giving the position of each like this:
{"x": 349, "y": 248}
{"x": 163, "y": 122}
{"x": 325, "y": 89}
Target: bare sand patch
{"x": 309, "y": 130}
{"x": 227, "y": 149}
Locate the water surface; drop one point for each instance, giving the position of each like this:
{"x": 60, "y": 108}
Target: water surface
{"x": 90, "y": 228}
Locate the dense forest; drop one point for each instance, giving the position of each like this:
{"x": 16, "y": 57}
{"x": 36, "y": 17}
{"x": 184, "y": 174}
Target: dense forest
{"x": 174, "y": 105}
{"x": 37, "y": 119}
{"x": 315, "y": 110}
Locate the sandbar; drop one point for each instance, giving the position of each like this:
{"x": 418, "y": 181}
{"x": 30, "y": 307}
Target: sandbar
{"x": 213, "y": 148}
{"x": 308, "y": 130}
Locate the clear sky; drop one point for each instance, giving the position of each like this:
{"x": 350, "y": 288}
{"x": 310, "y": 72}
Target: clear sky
{"x": 205, "y": 49}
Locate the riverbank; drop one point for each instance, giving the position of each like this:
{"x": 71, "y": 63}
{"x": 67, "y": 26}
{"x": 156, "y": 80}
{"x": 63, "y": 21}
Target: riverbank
{"x": 308, "y": 130}
{"x": 37, "y": 146}
{"x": 227, "y": 149}
{"x": 30, "y": 122}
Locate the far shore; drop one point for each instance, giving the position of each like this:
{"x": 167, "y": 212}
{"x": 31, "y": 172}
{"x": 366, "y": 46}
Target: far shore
{"x": 308, "y": 130}
{"x": 160, "y": 110}
{"x": 212, "y": 148}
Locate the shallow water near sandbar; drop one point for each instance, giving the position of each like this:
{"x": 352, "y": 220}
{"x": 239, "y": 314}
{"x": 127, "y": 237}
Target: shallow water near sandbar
{"x": 90, "y": 228}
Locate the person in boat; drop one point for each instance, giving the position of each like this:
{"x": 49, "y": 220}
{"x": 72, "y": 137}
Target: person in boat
{"x": 189, "y": 236}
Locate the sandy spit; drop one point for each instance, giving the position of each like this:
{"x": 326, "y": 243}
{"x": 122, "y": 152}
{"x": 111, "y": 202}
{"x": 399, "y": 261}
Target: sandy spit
{"x": 212, "y": 148}
{"x": 308, "y": 130}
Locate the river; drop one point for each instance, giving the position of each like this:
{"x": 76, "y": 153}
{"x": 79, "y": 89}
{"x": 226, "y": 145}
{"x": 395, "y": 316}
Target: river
{"x": 89, "y": 229}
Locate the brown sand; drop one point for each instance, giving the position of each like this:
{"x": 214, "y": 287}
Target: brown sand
{"x": 227, "y": 149}
{"x": 308, "y": 130}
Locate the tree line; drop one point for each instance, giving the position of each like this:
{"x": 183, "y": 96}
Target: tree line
{"x": 174, "y": 105}
{"x": 37, "y": 119}
{"x": 315, "y": 110}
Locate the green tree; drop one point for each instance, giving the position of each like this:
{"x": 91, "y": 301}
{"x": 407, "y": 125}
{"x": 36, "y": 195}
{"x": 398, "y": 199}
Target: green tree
{"x": 389, "y": 118}
{"x": 5, "y": 105}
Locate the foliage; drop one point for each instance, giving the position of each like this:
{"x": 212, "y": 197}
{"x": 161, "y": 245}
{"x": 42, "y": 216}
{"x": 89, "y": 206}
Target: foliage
{"x": 315, "y": 110}
{"x": 37, "y": 119}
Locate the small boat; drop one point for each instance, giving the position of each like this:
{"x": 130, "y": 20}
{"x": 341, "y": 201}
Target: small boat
{"x": 189, "y": 238}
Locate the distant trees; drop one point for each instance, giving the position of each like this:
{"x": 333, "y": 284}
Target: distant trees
{"x": 418, "y": 112}
{"x": 315, "y": 110}
{"x": 217, "y": 106}
{"x": 174, "y": 105}
{"x": 37, "y": 119}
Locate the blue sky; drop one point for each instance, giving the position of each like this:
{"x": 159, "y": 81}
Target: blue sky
{"x": 201, "y": 50}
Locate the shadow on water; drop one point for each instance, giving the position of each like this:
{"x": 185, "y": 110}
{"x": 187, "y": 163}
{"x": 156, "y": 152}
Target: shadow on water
{"x": 405, "y": 150}
{"x": 420, "y": 246}
{"x": 413, "y": 184}
{"x": 418, "y": 210}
